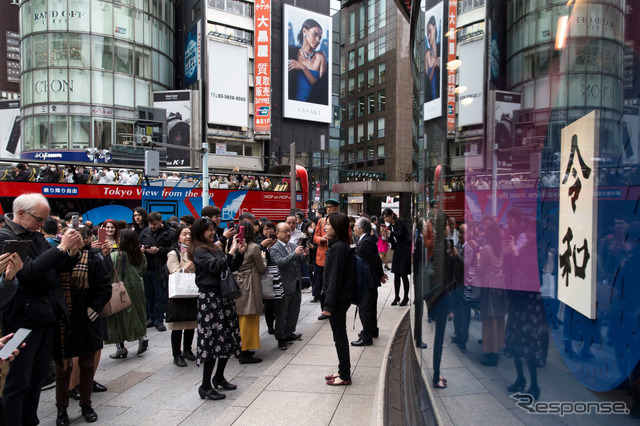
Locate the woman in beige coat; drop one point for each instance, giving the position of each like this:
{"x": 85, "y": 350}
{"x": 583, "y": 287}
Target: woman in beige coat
{"x": 181, "y": 313}
{"x": 249, "y": 305}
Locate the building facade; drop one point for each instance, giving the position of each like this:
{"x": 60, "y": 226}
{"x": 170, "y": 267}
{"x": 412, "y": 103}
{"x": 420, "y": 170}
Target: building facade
{"x": 86, "y": 66}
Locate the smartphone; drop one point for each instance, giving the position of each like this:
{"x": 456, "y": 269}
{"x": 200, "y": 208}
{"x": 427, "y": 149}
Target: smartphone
{"x": 302, "y": 242}
{"x": 230, "y": 224}
{"x": 102, "y": 235}
{"x": 272, "y": 236}
{"x": 75, "y": 221}
{"x": 241, "y": 234}
{"x": 21, "y": 247}
{"x": 14, "y": 343}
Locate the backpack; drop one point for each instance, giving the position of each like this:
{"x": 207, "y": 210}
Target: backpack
{"x": 363, "y": 279}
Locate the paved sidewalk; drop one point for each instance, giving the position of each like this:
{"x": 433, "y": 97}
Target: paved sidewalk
{"x": 287, "y": 388}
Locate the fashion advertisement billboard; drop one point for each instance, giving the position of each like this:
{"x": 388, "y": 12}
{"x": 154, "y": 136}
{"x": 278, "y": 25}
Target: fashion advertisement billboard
{"x": 433, "y": 46}
{"x": 9, "y": 129}
{"x": 307, "y": 59}
{"x": 228, "y": 84}
{"x": 178, "y": 106}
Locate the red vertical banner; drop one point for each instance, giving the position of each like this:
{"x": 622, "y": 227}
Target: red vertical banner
{"x": 262, "y": 72}
{"x": 452, "y": 18}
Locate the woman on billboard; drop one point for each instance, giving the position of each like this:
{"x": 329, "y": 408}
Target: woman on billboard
{"x": 432, "y": 62}
{"x": 308, "y": 66}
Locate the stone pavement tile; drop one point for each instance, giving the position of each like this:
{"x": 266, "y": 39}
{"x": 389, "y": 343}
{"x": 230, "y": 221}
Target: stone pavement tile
{"x": 322, "y": 337}
{"x": 291, "y": 408}
{"x": 134, "y": 395}
{"x": 252, "y": 392}
{"x": 353, "y": 410}
{"x": 305, "y": 378}
{"x": 143, "y": 409}
{"x": 365, "y": 381}
{"x": 480, "y": 409}
{"x": 372, "y": 356}
{"x": 387, "y": 323}
{"x": 459, "y": 382}
{"x": 167, "y": 417}
{"x": 207, "y": 413}
{"x": 444, "y": 418}
{"x": 228, "y": 417}
{"x": 449, "y": 358}
{"x": 105, "y": 415}
{"x": 127, "y": 381}
{"x": 536, "y": 419}
{"x": 183, "y": 385}
{"x": 498, "y": 388}
{"x": 279, "y": 364}
{"x": 323, "y": 355}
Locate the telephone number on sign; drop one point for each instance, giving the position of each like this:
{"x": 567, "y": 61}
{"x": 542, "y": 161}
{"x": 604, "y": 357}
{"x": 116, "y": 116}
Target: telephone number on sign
{"x": 229, "y": 97}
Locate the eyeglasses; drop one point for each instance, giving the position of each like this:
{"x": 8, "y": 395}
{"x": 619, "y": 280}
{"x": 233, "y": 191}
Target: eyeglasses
{"x": 37, "y": 218}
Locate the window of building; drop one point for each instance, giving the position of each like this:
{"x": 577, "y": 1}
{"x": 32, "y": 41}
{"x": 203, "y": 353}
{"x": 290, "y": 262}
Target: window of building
{"x": 360, "y": 153}
{"x": 371, "y": 103}
{"x": 232, "y": 6}
{"x": 381, "y": 122}
{"x": 352, "y": 28}
{"x": 352, "y": 60}
{"x": 381, "y": 150}
{"x": 371, "y": 77}
{"x": 382, "y": 13}
{"x": 343, "y": 64}
{"x": 360, "y": 132}
{"x": 362, "y": 21}
{"x": 381, "y": 100}
{"x": 352, "y": 110}
{"x": 226, "y": 32}
{"x": 371, "y": 47}
{"x": 102, "y": 88}
{"x": 352, "y": 85}
{"x": 371, "y": 153}
{"x": 343, "y": 88}
{"x": 370, "y": 130}
{"x": 360, "y": 107}
{"x": 360, "y": 56}
{"x": 372, "y": 16}
{"x": 382, "y": 45}
{"x": 382, "y": 73}
{"x": 59, "y": 52}
{"x": 351, "y": 136}
{"x": 360, "y": 81}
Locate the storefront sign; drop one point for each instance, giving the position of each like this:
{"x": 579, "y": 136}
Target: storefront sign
{"x": 262, "y": 70}
{"x": 451, "y": 71}
{"x": 578, "y": 220}
{"x": 362, "y": 175}
{"x": 44, "y": 86}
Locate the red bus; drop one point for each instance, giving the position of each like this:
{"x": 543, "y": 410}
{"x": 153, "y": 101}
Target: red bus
{"x": 178, "y": 197}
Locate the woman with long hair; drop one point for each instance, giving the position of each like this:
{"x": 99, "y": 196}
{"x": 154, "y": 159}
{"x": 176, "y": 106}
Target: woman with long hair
{"x": 112, "y": 230}
{"x": 307, "y": 65}
{"x": 249, "y": 305}
{"x": 432, "y": 61}
{"x": 139, "y": 221}
{"x": 339, "y": 286}
{"x": 129, "y": 324}
{"x": 87, "y": 289}
{"x": 181, "y": 313}
{"x": 218, "y": 331}
{"x": 400, "y": 238}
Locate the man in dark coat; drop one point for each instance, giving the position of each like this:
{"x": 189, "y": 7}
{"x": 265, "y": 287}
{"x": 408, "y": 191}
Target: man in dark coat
{"x": 400, "y": 239}
{"x": 367, "y": 250}
{"x": 156, "y": 241}
{"x": 37, "y": 305}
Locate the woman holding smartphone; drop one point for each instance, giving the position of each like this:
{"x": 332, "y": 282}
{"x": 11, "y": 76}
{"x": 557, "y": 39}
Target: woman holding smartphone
{"x": 218, "y": 331}
{"x": 339, "y": 286}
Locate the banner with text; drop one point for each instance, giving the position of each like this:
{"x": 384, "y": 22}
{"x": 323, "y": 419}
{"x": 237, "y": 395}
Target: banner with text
{"x": 262, "y": 71}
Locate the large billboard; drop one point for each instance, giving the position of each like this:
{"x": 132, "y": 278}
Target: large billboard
{"x": 452, "y": 19}
{"x": 262, "y": 67}
{"x": 9, "y": 129}
{"x": 578, "y": 215}
{"x": 471, "y": 77}
{"x": 10, "y": 50}
{"x": 228, "y": 84}
{"x": 307, "y": 59}
{"x": 433, "y": 62}
{"x": 178, "y": 106}
{"x": 193, "y": 55}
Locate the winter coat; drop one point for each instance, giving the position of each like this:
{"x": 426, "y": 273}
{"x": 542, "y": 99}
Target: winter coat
{"x": 249, "y": 277}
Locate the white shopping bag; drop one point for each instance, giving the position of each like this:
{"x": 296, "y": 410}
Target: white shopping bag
{"x": 182, "y": 285}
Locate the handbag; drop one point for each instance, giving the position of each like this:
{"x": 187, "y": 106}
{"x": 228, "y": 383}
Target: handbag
{"x": 229, "y": 287}
{"x": 267, "y": 286}
{"x": 182, "y": 285}
{"x": 120, "y": 299}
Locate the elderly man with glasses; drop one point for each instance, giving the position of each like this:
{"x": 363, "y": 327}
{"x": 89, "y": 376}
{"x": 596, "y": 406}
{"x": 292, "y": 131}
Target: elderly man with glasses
{"x": 38, "y": 304}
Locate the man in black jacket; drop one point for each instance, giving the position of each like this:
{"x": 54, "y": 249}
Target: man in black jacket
{"x": 38, "y": 305}
{"x": 367, "y": 250}
{"x": 156, "y": 242}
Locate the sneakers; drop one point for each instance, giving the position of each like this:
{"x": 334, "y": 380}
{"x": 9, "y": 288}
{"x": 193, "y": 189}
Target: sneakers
{"x": 161, "y": 327}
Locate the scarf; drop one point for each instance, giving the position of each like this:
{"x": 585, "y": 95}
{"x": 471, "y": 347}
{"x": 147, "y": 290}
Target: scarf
{"x": 183, "y": 248}
{"x": 77, "y": 279}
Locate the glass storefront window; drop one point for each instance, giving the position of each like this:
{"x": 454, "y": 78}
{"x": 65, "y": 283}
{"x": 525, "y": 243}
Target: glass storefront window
{"x": 58, "y": 132}
{"x": 40, "y": 86}
{"x": 102, "y": 133}
{"x": 102, "y": 52}
{"x": 58, "y": 51}
{"x": 27, "y": 133}
{"x": 124, "y": 130}
{"x": 102, "y": 17}
{"x": 123, "y": 57}
{"x": 124, "y": 90}
{"x": 102, "y": 88}
{"x": 123, "y": 18}
{"x": 81, "y": 81}
{"x": 26, "y": 18}
{"x": 143, "y": 92}
{"x": 39, "y": 9}
{"x": 40, "y": 50}
{"x": 79, "y": 50}
{"x": 80, "y": 131}
{"x": 80, "y": 19}
{"x": 41, "y": 132}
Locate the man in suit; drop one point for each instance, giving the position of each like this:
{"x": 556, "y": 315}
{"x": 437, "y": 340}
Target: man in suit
{"x": 288, "y": 257}
{"x": 367, "y": 250}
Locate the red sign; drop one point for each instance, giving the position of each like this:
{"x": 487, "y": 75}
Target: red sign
{"x": 451, "y": 71}
{"x": 262, "y": 72}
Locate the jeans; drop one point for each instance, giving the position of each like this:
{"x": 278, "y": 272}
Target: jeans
{"x": 338, "y": 321}
{"x": 156, "y": 295}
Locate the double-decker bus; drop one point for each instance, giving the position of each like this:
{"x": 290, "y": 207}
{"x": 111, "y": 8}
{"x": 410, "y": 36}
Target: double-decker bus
{"x": 171, "y": 197}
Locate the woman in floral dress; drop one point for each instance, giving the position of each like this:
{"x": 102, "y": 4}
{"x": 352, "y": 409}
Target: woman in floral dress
{"x": 218, "y": 331}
